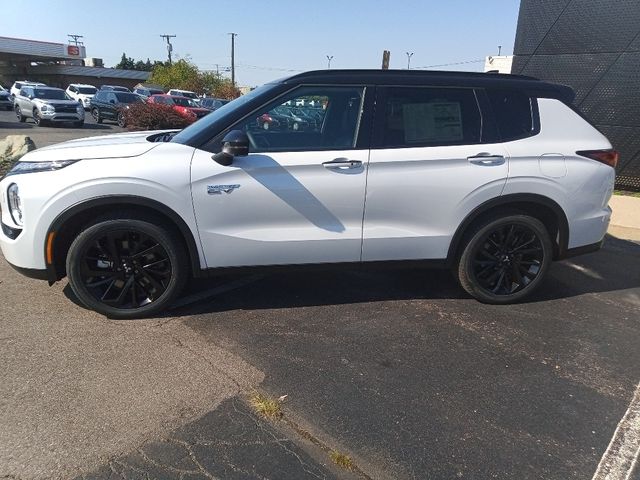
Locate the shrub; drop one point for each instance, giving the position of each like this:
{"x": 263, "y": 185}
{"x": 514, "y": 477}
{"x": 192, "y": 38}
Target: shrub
{"x": 148, "y": 116}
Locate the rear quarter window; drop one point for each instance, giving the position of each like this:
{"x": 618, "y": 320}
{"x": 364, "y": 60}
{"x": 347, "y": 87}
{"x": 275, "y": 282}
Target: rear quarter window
{"x": 515, "y": 113}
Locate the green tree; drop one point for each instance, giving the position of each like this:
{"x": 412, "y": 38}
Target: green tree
{"x": 126, "y": 63}
{"x": 185, "y": 75}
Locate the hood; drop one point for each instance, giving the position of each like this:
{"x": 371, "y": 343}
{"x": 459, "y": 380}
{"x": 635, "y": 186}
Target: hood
{"x": 55, "y": 102}
{"x": 119, "y": 145}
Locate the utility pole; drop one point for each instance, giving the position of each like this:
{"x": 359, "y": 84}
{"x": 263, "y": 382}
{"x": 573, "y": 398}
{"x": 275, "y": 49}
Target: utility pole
{"x": 329, "y": 58}
{"x": 386, "y": 58}
{"x": 233, "y": 58}
{"x": 499, "y": 49}
{"x": 169, "y": 46}
{"x": 409, "y": 55}
{"x": 75, "y": 39}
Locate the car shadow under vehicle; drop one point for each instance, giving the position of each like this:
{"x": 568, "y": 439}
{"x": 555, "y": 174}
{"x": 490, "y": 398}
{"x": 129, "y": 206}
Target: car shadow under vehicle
{"x": 593, "y": 273}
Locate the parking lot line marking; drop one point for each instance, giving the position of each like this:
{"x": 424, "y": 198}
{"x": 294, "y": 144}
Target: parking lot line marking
{"x": 621, "y": 456}
{"x": 207, "y": 294}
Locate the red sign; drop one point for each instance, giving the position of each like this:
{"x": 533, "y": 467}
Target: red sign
{"x": 73, "y": 50}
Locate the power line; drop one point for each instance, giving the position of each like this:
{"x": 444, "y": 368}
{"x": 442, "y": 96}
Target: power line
{"x": 448, "y": 64}
{"x": 74, "y": 39}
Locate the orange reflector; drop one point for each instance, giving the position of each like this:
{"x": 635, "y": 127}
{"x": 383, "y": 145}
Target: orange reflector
{"x": 608, "y": 157}
{"x": 49, "y": 250}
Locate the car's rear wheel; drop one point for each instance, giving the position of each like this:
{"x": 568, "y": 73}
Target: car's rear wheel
{"x": 95, "y": 113}
{"x": 126, "y": 267}
{"x": 504, "y": 259}
{"x": 21, "y": 118}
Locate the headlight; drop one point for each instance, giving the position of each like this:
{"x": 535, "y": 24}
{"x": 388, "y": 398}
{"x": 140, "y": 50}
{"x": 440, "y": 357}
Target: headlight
{"x": 33, "y": 167}
{"x": 15, "y": 207}
{"x": 47, "y": 108}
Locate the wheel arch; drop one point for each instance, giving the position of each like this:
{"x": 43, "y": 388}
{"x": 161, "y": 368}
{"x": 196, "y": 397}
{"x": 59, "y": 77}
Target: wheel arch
{"x": 548, "y": 211}
{"x": 70, "y": 222}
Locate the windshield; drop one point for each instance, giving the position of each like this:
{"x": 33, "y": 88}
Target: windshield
{"x": 205, "y": 122}
{"x": 183, "y": 102}
{"x": 50, "y": 94}
{"x": 87, "y": 90}
{"x": 127, "y": 97}
{"x": 188, "y": 94}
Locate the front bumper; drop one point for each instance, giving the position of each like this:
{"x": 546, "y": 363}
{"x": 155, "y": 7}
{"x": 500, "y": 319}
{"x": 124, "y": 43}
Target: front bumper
{"x": 62, "y": 117}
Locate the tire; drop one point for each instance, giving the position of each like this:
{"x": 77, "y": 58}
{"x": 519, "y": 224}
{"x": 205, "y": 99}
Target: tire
{"x": 37, "y": 119}
{"x": 121, "y": 120}
{"x": 107, "y": 271}
{"x": 505, "y": 258}
{"x": 296, "y": 126}
{"x": 265, "y": 126}
{"x": 95, "y": 113}
{"x": 21, "y": 118}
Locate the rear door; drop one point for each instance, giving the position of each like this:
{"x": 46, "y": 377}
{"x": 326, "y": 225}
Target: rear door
{"x": 434, "y": 159}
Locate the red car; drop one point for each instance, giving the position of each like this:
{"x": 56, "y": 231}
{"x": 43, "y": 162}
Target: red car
{"x": 184, "y": 106}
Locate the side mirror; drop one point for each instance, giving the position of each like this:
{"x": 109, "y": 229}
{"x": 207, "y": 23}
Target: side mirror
{"x": 31, "y": 97}
{"x": 234, "y": 144}
{"x": 112, "y": 101}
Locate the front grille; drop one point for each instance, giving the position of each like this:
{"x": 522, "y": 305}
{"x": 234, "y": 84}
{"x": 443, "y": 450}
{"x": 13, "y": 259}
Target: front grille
{"x": 65, "y": 108}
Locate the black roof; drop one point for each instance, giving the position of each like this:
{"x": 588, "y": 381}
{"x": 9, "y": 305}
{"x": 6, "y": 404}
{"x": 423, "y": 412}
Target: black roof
{"x": 531, "y": 85}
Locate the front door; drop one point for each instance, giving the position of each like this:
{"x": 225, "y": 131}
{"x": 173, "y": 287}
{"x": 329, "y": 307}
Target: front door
{"x": 298, "y": 197}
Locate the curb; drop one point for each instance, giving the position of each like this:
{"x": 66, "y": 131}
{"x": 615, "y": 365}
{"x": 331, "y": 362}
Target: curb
{"x": 625, "y": 217}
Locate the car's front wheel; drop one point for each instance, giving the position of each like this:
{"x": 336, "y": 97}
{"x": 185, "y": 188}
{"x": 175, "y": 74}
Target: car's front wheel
{"x": 95, "y": 113}
{"x": 37, "y": 118}
{"x": 121, "y": 120}
{"x": 126, "y": 267}
{"x": 21, "y": 118}
{"x": 504, "y": 259}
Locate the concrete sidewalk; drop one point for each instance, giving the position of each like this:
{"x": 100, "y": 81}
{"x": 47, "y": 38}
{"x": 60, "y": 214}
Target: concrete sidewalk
{"x": 625, "y": 219}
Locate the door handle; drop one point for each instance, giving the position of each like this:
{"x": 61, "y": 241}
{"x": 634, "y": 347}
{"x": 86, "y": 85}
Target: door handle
{"x": 486, "y": 159}
{"x": 342, "y": 163}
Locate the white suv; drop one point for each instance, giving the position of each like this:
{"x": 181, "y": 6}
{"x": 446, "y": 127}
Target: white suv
{"x": 492, "y": 176}
{"x": 184, "y": 93}
{"x": 82, "y": 93}
{"x": 17, "y": 86}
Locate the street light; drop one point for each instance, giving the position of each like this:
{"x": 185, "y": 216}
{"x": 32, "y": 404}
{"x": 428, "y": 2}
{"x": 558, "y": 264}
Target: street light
{"x": 329, "y": 58}
{"x": 409, "y": 55}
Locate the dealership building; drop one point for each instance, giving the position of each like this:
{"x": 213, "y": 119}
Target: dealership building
{"x": 593, "y": 46}
{"x": 58, "y": 65}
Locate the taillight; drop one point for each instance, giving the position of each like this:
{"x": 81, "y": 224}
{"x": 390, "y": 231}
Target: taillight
{"x": 608, "y": 157}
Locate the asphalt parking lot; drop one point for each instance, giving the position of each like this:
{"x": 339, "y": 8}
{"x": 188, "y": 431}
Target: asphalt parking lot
{"x": 399, "y": 369}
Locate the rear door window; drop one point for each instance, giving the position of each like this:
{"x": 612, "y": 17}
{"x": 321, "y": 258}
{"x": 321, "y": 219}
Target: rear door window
{"x": 428, "y": 116}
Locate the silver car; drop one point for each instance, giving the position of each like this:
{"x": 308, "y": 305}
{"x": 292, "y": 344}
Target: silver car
{"x": 47, "y": 105}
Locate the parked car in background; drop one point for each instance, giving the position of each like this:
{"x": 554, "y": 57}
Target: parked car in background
{"x": 117, "y": 88}
{"x": 15, "y": 88}
{"x": 6, "y": 100}
{"x": 184, "y": 93}
{"x": 82, "y": 92}
{"x": 213, "y": 103}
{"x": 147, "y": 90}
{"x": 47, "y": 105}
{"x": 184, "y": 106}
{"x": 108, "y": 105}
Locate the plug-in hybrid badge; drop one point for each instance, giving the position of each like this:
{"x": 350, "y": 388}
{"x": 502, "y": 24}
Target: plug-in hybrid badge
{"x": 218, "y": 189}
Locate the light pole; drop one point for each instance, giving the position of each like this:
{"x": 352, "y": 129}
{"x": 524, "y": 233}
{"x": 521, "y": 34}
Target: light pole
{"x": 499, "y": 49}
{"x": 233, "y": 58}
{"x": 329, "y": 58}
{"x": 409, "y": 55}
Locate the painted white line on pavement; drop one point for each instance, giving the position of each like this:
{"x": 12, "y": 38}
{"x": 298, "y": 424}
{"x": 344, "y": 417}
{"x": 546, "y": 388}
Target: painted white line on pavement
{"x": 621, "y": 456}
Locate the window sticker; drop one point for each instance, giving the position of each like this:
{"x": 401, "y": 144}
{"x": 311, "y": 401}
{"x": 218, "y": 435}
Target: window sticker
{"x": 432, "y": 122}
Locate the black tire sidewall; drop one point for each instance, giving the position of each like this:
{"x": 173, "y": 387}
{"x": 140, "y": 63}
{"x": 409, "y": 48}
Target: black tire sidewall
{"x": 465, "y": 267}
{"x": 169, "y": 242}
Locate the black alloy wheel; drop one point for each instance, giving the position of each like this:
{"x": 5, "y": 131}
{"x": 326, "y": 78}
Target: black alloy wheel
{"x": 505, "y": 260}
{"x": 126, "y": 268}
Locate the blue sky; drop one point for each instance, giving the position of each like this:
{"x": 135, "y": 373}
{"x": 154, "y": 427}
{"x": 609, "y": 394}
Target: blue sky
{"x": 278, "y": 36}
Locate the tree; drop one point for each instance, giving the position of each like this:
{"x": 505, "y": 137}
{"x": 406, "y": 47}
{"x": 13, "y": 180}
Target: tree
{"x": 128, "y": 63}
{"x": 185, "y": 75}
